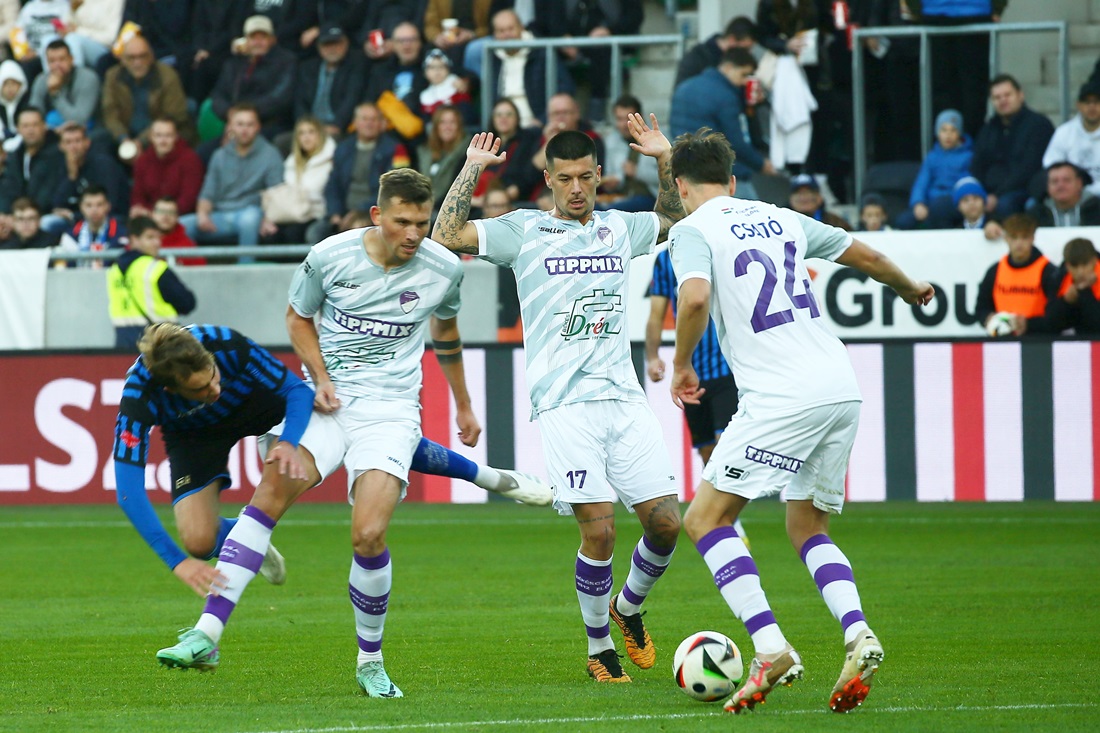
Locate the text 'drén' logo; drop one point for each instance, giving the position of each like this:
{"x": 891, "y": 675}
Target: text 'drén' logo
{"x": 593, "y": 316}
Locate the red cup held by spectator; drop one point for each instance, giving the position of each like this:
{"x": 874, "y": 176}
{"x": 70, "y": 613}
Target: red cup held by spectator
{"x": 840, "y": 15}
{"x": 376, "y": 39}
{"x": 753, "y": 90}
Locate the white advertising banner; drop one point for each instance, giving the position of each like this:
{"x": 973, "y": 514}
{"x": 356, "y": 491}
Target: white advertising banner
{"x": 23, "y": 298}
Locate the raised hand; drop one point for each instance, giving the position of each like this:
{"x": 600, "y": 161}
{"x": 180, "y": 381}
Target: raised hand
{"x": 483, "y": 150}
{"x": 649, "y": 140}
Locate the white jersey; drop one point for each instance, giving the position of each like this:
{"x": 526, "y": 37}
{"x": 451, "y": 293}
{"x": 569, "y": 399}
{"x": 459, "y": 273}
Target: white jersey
{"x": 770, "y": 328}
{"x": 572, "y": 282}
{"x": 372, "y": 321}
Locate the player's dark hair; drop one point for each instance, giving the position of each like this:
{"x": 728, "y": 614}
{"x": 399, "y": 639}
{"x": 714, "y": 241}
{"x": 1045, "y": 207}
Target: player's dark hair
{"x": 569, "y": 145}
{"x": 172, "y": 353}
{"x": 1020, "y": 225}
{"x": 1079, "y": 251}
{"x": 628, "y": 101}
{"x": 704, "y": 156}
{"x": 406, "y": 185}
{"x": 141, "y": 224}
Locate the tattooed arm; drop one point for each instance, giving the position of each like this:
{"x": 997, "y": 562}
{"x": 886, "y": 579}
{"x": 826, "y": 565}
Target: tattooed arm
{"x": 452, "y": 228}
{"x": 652, "y": 142}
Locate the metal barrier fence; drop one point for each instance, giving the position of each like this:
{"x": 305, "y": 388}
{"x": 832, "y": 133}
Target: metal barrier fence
{"x": 173, "y": 254}
{"x": 995, "y": 30}
{"x": 616, "y": 43}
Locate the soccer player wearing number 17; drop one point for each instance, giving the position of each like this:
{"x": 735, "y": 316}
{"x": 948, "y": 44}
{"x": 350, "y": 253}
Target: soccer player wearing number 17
{"x": 742, "y": 263}
{"x": 600, "y": 437}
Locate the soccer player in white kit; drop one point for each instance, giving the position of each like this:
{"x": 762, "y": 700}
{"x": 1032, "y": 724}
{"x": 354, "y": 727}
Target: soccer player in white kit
{"x": 376, "y": 290}
{"x": 742, "y": 263}
{"x": 601, "y": 439}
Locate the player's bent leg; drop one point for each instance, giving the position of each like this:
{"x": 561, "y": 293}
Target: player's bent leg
{"x": 274, "y": 496}
{"x": 596, "y": 522}
{"x": 432, "y": 458}
{"x": 198, "y": 521}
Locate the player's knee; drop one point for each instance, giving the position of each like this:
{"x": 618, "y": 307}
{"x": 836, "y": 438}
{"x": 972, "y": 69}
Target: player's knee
{"x": 598, "y": 544}
{"x": 695, "y": 524}
{"x": 201, "y": 546}
{"x": 368, "y": 541}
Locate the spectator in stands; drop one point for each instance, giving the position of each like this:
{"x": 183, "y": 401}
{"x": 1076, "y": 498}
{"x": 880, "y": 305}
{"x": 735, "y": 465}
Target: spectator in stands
{"x": 167, "y": 167}
{"x": 401, "y": 73}
{"x": 564, "y": 113}
{"x": 583, "y": 18}
{"x": 97, "y": 230}
{"x": 441, "y": 157}
{"x": 305, "y": 173}
{"x": 167, "y": 26}
{"x": 716, "y": 99}
{"x": 83, "y": 168}
{"x": 472, "y": 21}
{"x": 330, "y": 86}
{"x": 892, "y": 72}
{"x": 872, "y": 214}
{"x": 142, "y": 289}
{"x": 311, "y": 19}
{"x": 65, "y": 92}
{"x": 1075, "y": 141}
{"x": 1068, "y": 202}
{"x": 286, "y": 18}
{"x": 496, "y": 202}
{"x": 1009, "y": 148}
{"x": 1078, "y": 303}
{"x": 1020, "y": 283}
{"x": 519, "y": 74}
{"x": 385, "y": 16}
{"x": 931, "y": 204}
{"x": 13, "y": 99}
{"x": 229, "y": 202}
{"x": 138, "y": 91}
{"x": 34, "y": 169}
{"x": 740, "y": 32}
{"x": 262, "y": 76}
{"x": 26, "y": 232}
{"x": 166, "y": 214}
{"x": 806, "y": 199}
{"x": 36, "y": 27}
{"x": 213, "y": 26}
{"x": 629, "y": 180}
{"x": 444, "y": 88}
{"x": 94, "y": 28}
{"x": 358, "y": 163}
{"x": 960, "y": 63}
{"x": 969, "y": 196}
{"x": 516, "y": 175}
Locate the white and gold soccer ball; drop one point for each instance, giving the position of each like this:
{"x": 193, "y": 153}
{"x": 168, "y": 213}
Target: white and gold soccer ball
{"x": 1000, "y": 324}
{"x": 707, "y": 666}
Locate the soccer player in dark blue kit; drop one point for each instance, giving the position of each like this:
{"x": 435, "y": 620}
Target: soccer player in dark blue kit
{"x": 207, "y": 387}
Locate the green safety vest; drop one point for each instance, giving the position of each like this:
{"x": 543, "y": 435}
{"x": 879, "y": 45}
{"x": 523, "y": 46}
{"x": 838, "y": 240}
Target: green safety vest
{"x": 134, "y": 298}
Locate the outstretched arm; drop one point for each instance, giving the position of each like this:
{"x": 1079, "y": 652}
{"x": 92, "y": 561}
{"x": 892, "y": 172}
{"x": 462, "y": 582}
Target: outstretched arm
{"x": 448, "y": 351}
{"x": 307, "y": 345}
{"x": 452, "y": 228}
{"x": 692, "y": 318}
{"x": 652, "y": 142}
{"x": 880, "y": 267}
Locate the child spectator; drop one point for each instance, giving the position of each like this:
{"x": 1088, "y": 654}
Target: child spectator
{"x": 98, "y": 230}
{"x": 872, "y": 215}
{"x": 141, "y": 289}
{"x": 166, "y": 214}
{"x": 26, "y": 232}
{"x": 1019, "y": 285}
{"x": 968, "y": 195}
{"x": 1078, "y": 303}
{"x": 931, "y": 204}
{"x": 444, "y": 87}
{"x": 13, "y": 98}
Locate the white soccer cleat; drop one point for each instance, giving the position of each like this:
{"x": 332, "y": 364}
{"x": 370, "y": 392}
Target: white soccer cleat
{"x": 274, "y": 568}
{"x": 862, "y": 659}
{"x": 524, "y": 488}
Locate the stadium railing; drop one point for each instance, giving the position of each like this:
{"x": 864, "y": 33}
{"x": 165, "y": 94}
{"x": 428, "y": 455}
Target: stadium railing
{"x": 859, "y": 122}
{"x": 173, "y": 254}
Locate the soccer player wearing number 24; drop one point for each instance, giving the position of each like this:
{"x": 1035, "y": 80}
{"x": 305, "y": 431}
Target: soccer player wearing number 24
{"x": 742, "y": 263}
{"x": 600, "y": 437}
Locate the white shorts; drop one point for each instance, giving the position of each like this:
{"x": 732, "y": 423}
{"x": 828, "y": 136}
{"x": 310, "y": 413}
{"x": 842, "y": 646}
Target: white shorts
{"x": 605, "y": 450}
{"x": 805, "y": 453}
{"x": 363, "y": 435}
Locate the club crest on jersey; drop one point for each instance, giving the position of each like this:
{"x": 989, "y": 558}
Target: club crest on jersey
{"x": 604, "y": 235}
{"x": 409, "y": 299}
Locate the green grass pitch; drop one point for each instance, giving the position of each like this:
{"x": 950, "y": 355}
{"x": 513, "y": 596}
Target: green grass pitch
{"x": 988, "y": 614}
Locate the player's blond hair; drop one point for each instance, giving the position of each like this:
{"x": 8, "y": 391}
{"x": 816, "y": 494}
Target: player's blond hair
{"x": 172, "y": 353}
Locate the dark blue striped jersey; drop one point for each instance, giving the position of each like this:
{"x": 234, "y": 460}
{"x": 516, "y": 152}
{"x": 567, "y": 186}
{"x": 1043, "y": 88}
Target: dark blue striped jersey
{"x": 247, "y": 371}
{"x": 707, "y": 358}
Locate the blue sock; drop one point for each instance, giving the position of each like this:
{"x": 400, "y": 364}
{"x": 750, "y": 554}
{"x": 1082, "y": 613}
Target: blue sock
{"x": 434, "y": 459}
{"x": 224, "y": 526}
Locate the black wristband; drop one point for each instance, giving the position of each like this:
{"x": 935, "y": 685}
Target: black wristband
{"x": 448, "y": 358}
{"x": 447, "y": 345}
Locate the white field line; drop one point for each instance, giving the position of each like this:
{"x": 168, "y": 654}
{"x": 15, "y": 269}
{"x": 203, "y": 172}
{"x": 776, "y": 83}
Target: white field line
{"x": 668, "y": 716}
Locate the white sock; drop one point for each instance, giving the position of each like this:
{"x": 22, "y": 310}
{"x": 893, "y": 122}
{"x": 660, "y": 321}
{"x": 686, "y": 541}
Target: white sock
{"x": 594, "y": 594}
{"x": 647, "y": 564}
{"x": 240, "y": 559}
{"x": 487, "y": 477}
{"x": 369, "y": 587}
{"x": 832, "y": 572}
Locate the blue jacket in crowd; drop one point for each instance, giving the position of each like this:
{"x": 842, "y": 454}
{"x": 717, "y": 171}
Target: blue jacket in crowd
{"x": 941, "y": 170}
{"x": 710, "y": 100}
{"x": 1007, "y": 156}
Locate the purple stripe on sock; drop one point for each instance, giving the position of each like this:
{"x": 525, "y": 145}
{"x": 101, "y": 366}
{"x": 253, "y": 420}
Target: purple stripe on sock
{"x": 219, "y": 606}
{"x": 374, "y": 605}
{"x": 833, "y": 571}
{"x": 631, "y": 596}
{"x": 733, "y": 570}
{"x": 236, "y": 554}
{"x": 657, "y": 549}
{"x": 594, "y": 580}
{"x": 850, "y": 618}
{"x": 817, "y": 539}
{"x": 598, "y": 632}
{"x": 713, "y": 537}
{"x": 369, "y": 646}
{"x": 373, "y": 563}
{"x": 759, "y": 621}
{"x": 259, "y": 516}
{"x": 650, "y": 569}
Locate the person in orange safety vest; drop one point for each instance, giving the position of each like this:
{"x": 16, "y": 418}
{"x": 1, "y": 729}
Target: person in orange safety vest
{"x": 1018, "y": 287}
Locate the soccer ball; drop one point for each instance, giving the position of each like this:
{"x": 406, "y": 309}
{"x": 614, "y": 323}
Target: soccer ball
{"x": 707, "y": 666}
{"x": 1000, "y": 324}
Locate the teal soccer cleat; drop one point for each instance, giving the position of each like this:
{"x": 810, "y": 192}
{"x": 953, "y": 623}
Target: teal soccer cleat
{"x": 195, "y": 650}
